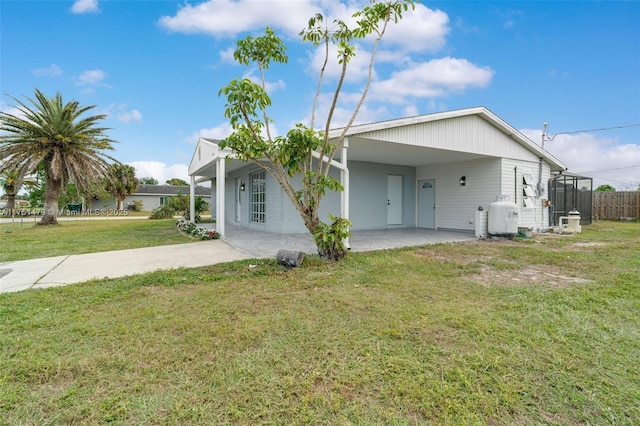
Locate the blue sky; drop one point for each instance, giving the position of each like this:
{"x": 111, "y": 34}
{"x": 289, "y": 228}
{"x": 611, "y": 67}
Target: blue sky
{"x": 155, "y": 67}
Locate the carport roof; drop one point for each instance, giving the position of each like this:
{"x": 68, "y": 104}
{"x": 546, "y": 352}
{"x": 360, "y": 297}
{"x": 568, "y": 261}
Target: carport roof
{"x": 378, "y": 150}
{"x": 364, "y": 148}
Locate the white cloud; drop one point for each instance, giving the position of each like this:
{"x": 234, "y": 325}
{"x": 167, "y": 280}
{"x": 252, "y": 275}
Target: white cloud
{"x": 357, "y": 69}
{"x": 221, "y": 132}
{"x": 51, "y": 71}
{"x": 85, "y": 6}
{"x": 122, "y": 113}
{"x": 420, "y": 30}
{"x": 270, "y": 86}
{"x": 343, "y": 112}
{"x": 410, "y": 111}
{"x": 435, "y": 78}
{"x": 9, "y": 109}
{"x": 432, "y": 105}
{"x": 218, "y": 132}
{"x": 227, "y": 55}
{"x": 510, "y": 18}
{"x": 160, "y": 171}
{"x": 604, "y": 159}
{"x": 128, "y": 116}
{"x": 227, "y": 18}
{"x": 91, "y": 78}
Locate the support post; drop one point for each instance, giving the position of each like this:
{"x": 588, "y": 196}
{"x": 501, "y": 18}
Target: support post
{"x": 220, "y": 185}
{"x": 344, "y": 196}
{"x": 192, "y": 199}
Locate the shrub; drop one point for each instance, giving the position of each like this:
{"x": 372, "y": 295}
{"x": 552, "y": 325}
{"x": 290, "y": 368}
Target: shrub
{"x": 137, "y": 205}
{"x": 197, "y": 231}
{"x": 181, "y": 204}
{"x": 330, "y": 238}
{"x": 163, "y": 212}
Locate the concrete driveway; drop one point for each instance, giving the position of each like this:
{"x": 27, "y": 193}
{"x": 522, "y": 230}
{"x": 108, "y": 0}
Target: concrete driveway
{"x": 63, "y": 270}
{"x": 238, "y": 243}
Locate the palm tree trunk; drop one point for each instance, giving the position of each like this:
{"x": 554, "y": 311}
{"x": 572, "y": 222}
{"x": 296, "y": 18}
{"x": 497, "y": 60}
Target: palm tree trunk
{"x": 11, "y": 203}
{"x": 51, "y": 201}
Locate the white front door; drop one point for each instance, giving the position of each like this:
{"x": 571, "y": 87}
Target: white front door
{"x": 394, "y": 200}
{"x": 427, "y": 203}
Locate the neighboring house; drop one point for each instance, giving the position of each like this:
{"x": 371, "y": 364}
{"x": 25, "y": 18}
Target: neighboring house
{"x": 153, "y": 196}
{"x": 429, "y": 171}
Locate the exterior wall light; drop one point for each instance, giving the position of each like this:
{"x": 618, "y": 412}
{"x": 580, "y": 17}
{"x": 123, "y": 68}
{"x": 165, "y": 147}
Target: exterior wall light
{"x": 242, "y": 186}
{"x": 463, "y": 181}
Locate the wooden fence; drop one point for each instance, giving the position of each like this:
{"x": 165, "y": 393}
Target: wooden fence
{"x": 616, "y": 205}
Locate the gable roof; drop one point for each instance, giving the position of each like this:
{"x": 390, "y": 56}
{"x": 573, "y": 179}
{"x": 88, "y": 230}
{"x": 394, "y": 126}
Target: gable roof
{"x": 379, "y": 128}
{"x": 439, "y": 138}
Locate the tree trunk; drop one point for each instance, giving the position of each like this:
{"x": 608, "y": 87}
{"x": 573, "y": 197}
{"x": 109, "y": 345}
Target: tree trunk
{"x": 11, "y": 203}
{"x": 52, "y": 193}
{"x": 119, "y": 203}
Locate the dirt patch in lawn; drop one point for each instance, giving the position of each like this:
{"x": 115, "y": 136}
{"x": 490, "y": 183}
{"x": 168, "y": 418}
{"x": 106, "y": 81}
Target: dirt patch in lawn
{"x": 491, "y": 269}
{"x": 539, "y": 275}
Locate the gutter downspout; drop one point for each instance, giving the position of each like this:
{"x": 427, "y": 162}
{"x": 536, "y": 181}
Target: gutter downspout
{"x": 515, "y": 185}
{"x": 540, "y": 186}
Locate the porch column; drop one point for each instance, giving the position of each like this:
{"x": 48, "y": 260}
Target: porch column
{"x": 220, "y": 184}
{"x": 192, "y": 199}
{"x": 212, "y": 193}
{"x": 344, "y": 177}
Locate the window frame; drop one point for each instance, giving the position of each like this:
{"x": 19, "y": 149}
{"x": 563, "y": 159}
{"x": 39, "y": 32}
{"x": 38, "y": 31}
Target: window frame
{"x": 258, "y": 197}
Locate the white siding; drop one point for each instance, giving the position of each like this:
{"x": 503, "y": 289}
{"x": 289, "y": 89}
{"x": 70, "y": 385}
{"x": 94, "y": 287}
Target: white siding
{"x": 512, "y": 171}
{"x": 281, "y": 216}
{"x": 149, "y": 202}
{"x": 368, "y": 195}
{"x": 470, "y": 134}
{"x": 203, "y": 155}
{"x": 456, "y": 205}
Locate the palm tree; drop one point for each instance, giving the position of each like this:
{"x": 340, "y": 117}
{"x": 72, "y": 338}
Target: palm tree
{"x": 177, "y": 182}
{"x": 12, "y": 181}
{"x": 122, "y": 182}
{"x": 54, "y": 135}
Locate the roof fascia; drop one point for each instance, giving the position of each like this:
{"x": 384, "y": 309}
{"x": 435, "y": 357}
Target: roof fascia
{"x": 219, "y": 153}
{"x": 522, "y": 139}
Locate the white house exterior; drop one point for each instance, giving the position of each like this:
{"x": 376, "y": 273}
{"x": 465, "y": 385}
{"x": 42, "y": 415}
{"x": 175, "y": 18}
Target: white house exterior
{"x": 429, "y": 171}
{"x": 153, "y": 196}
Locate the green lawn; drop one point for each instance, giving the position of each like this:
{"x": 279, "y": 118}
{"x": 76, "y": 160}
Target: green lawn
{"x": 30, "y": 241}
{"x": 540, "y": 331}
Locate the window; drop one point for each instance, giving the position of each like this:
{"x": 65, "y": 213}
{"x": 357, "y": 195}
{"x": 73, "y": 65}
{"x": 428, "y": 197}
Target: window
{"x": 258, "y": 197}
{"x": 528, "y": 193}
{"x": 164, "y": 201}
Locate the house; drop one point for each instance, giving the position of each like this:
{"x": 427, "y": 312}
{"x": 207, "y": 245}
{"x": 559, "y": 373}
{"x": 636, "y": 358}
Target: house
{"x": 429, "y": 171}
{"x": 153, "y": 196}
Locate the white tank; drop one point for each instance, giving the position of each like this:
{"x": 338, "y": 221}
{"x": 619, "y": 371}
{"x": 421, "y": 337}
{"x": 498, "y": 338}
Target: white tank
{"x": 503, "y": 217}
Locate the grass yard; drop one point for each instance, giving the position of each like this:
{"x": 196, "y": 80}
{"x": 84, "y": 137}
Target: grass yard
{"x": 30, "y": 241}
{"x": 540, "y": 331}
